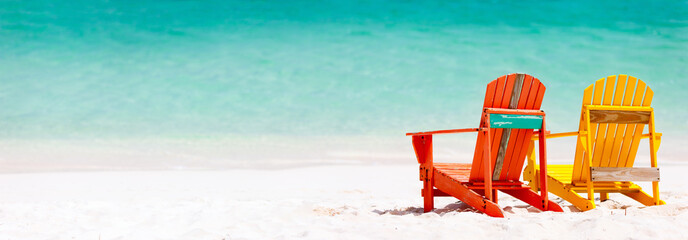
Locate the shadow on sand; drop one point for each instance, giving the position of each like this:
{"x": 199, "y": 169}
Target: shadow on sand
{"x": 462, "y": 207}
{"x": 416, "y": 211}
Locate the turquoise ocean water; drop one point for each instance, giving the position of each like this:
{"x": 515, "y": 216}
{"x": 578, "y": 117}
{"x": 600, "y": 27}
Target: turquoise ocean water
{"x": 287, "y": 75}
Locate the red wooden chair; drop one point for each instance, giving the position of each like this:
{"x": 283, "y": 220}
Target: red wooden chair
{"x": 510, "y": 113}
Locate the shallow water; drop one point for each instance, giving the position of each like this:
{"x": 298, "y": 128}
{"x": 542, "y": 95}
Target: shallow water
{"x": 275, "y": 70}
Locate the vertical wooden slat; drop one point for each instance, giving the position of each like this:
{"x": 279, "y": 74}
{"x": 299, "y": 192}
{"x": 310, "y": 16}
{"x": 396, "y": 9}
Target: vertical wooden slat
{"x": 487, "y": 167}
{"x": 521, "y": 145}
{"x": 491, "y": 91}
{"x": 653, "y": 157}
{"x": 496, "y": 102}
{"x": 506, "y": 134}
{"x": 516, "y": 92}
{"x": 625, "y": 134}
{"x": 518, "y": 134}
{"x": 594, "y": 98}
{"x": 505, "y": 98}
{"x": 580, "y": 154}
{"x": 539, "y": 96}
{"x": 638, "y": 130}
{"x": 537, "y": 103}
{"x": 490, "y": 94}
{"x": 612, "y": 138}
{"x": 630, "y": 129}
{"x": 602, "y": 127}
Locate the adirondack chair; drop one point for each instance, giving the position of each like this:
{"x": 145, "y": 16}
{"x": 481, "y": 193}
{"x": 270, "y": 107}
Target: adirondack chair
{"x": 510, "y": 113}
{"x": 613, "y": 117}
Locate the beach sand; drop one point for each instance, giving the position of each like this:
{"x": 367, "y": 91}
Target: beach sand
{"x": 323, "y": 202}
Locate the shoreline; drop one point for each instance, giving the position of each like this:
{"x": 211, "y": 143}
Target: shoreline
{"x": 368, "y": 202}
{"x": 35, "y": 155}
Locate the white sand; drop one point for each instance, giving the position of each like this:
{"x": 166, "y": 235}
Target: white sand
{"x": 329, "y": 202}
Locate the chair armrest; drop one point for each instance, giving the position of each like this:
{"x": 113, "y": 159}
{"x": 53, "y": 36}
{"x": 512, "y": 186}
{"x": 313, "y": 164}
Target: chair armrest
{"x": 647, "y": 135}
{"x": 554, "y": 135}
{"x": 444, "y": 131}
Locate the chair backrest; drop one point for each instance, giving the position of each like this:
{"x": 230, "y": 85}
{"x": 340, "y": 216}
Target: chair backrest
{"x": 515, "y": 91}
{"x": 614, "y": 144}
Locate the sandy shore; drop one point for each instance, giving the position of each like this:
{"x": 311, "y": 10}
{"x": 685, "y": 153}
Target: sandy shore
{"x": 327, "y": 202}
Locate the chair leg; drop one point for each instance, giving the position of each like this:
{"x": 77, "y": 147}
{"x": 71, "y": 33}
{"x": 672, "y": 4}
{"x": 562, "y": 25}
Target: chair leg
{"x": 655, "y": 193}
{"x": 604, "y": 196}
{"x": 531, "y": 172}
{"x": 428, "y": 197}
{"x": 494, "y": 196}
{"x": 422, "y": 145}
{"x": 530, "y": 176}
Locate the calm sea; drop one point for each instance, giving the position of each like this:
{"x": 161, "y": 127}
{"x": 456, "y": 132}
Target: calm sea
{"x": 214, "y": 83}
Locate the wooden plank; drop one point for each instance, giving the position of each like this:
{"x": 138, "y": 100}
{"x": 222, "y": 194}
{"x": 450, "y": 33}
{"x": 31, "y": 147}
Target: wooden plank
{"x": 496, "y": 183}
{"x": 517, "y": 135}
{"x": 643, "y": 198}
{"x": 428, "y": 198}
{"x": 626, "y": 135}
{"x": 454, "y": 171}
{"x": 536, "y": 103}
{"x": 516, "y": 92}
{"x": 499, "y": 133}
{"x": 583, "y": 186}
{"x": 435, "y": 193}
{"x": 487, "y": 167}
{"x": 535, "y": 200}
{"x": 496, "y": 133}
{"x": 603, "y": 174}
{"x": 422, "y": 145}
{"x": 501, "y": 188}
{"x": 564, "y": 191}
{"x": 596, "y": 100}
{"x": 516, "y": 145}
{"x": 562, "y": 173}
{"x": 519, "y": 111}
{"x": 579, "y": 156}
{"x": 600, "y": 138}
{"x": 473, "y": 199}
{"x": 607, "y": 189}
{"x": 611, "y": 136}
{"x": 539, "y": 96}
{"x": 499, "y": 161}
{"x": 463, "y": 130}
{"x": 513, "y": 103}
{"x": 647, "y": 100}
{"x": 490, "y": 95}
{"x": 498, "y": 86}
{"x": 630, "y": 129}
{"x": 518, "y": 121}
{"x": 623, "y": 117}
{"x": 490, "y": 92}
{"x": 456, "y": 166}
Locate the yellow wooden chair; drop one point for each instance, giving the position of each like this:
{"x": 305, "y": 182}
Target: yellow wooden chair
{"x": 615, "y": 111}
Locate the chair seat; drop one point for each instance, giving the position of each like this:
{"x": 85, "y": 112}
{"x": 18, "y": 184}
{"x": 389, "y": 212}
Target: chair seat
{"x": 457, "y": 171}
{"x": 564, "y": 172}
{"x": 460, "y": 172}
{"x": 561, "y": 172}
